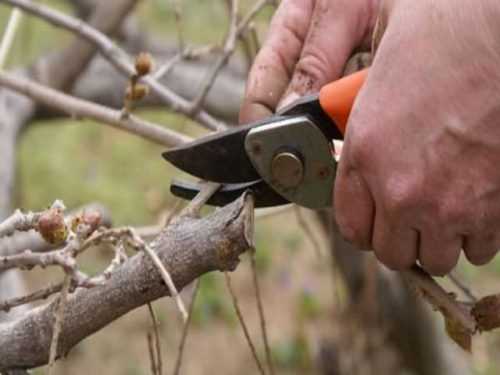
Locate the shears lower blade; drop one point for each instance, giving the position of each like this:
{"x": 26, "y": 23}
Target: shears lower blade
{"x": 264, "y": 195}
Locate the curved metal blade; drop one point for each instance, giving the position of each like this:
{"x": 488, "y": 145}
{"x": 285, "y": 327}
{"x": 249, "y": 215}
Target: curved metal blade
{"x": 220, "y": 157}
{"x": 264, "y": 195}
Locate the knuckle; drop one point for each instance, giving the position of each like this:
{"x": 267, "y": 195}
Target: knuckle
{"x": 401, "y": 195}
{"x": 452, "y": 212}
{"x": 437, "y": 266}
{"x": 311, "y": 71}
{"x": 360, "y": 145}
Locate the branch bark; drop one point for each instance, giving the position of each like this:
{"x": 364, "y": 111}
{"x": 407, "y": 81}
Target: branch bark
{"x": 188, "y": 248}
{"x": 79, "y": 108}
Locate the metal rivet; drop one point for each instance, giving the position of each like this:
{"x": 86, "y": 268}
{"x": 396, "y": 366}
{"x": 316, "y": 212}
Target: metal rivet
{"x": 256, "y": 148}
{"x": 323, "y": 172}
{"x": 287, "y": 169}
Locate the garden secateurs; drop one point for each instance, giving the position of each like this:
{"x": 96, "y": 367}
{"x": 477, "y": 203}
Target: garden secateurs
{"x": 285, "y": 158}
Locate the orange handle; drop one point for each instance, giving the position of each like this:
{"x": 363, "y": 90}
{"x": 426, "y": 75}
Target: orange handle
{"x": 337, "y": 98}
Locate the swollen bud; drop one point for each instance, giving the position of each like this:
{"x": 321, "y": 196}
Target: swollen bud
{"x": 136, "y": 92}
{"x": 52, "y": 227}
{"x": 143, "y": 63}
{"x": 91, "y": 219}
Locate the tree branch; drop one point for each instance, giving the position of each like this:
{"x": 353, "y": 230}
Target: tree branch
{"x": 189, "y": 247}
{"x": 79, "y": 108}
{"x": 64, "y": 69}
{"x": 116, "y": 56}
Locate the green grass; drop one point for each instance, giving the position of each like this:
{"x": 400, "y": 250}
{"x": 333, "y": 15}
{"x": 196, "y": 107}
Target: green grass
{"x": 35, "y": 37}
{"x": 211, "y": 302}
{"x": 85, "y": 162}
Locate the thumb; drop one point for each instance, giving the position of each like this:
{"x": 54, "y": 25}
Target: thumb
{"x": 336, "y": 30}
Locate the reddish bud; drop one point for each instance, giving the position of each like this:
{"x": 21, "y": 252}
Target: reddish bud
{"x": 487, "y": 312}
{"x": 92, "y": 219}
{"x": 52, "y": 227}
{"x": 143, "y": 64}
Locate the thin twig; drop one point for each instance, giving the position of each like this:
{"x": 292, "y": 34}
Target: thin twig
{"x": 35, "y": 296}
{"x": 59, "y": 317}
{"x": 167, "y": 279}
{"x": 186, "y": 54}
{"x": 229, "y": 48}
{"x": 164, "y": 69}
{"x": 185, "y": 329}
{"x": 247, "y": 38}
{"x": 177, "y": 8}
{"x": 308, "y": 231}
{"x": 79, "y": 108}
{"x": 243, "y": 324}
{"x": 157, "y": 342}
{"x": 262, "y": 317}
{"x": 8, "y": 36}
{"x": 28, "y": 260}
{"x": 463, "y": 288}
{"x": 25, "y": 221}
{"x": 193, "y": 209}
{"x": 439, "y": 298}
{"x": 152, "y": 355}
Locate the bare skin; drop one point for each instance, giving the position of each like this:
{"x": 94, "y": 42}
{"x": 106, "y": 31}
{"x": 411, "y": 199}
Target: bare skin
{"x": 419, "y": 177}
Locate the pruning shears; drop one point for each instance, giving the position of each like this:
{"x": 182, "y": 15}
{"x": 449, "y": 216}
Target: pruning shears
{"x": 288, "y": 157}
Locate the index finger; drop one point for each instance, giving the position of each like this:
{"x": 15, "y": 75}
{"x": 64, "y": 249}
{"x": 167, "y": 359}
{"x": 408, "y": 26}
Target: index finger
{"x": 274, "y": 65}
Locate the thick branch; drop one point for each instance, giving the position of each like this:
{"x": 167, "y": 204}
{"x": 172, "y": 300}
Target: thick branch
{"x": 188, "y": 248}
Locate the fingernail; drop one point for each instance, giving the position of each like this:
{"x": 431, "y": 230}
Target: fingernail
{"x": 288, "y": 99}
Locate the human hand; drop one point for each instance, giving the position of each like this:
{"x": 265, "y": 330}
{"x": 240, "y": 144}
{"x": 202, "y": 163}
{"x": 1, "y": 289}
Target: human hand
{"x": 418, "y": 178}
{"x": 308, "y": 44}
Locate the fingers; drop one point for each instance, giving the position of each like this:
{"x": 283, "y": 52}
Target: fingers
{"x": 439, "y": 252}
{"x": 394, "y": 243}
{"x": 354, "y": 208}
{"x": 308, "y": 46}
{"x": 481, "y": 248}
{"x": 338, "y": 28}
{"x": 274, "y": 65}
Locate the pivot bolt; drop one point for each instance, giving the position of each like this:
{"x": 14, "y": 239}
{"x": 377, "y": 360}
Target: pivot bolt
{"x": 287, "y": 169}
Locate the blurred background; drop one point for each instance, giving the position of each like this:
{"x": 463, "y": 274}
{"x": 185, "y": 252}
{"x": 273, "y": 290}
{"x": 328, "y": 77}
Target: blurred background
{"x": 82, "y": 162}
